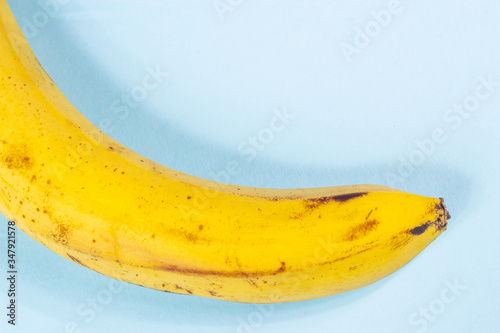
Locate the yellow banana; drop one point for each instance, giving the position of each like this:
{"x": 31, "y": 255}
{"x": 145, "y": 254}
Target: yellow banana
{"x": 99, "y": 204}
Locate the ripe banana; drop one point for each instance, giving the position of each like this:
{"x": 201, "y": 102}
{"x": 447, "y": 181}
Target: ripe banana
{"x": 99, "y": 204}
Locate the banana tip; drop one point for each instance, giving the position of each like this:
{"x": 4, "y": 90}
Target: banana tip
{"x": 446, "y": 214}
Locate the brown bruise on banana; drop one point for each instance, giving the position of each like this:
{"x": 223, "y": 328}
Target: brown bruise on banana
{"x": 398, "y": 240}
{"x": 16, "y": 157}
{"x": 363, "y": 229}
{"x": 61, "y": 233}
{"x": 313, "y": 203}
{"x": 230, "y": 274}
{"x": 340, "y": 198}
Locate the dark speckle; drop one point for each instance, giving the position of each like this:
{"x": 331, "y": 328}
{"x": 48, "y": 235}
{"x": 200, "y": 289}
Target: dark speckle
{"x": 186, "y": 290}
{"x": 213, "y": 293}
{"x": 282, "y": 268}
{"x": 200, "y": 227}
{"x": 368, "y": 216}
{"x": 252, "y": 283}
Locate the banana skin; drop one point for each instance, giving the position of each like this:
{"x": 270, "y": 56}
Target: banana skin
{"x": 93, "y": 201}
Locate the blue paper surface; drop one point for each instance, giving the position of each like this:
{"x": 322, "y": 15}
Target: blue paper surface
{"x": 295, "y": 94}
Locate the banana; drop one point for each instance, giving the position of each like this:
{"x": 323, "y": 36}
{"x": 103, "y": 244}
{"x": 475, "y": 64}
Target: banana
{"x": 93, "y": 201}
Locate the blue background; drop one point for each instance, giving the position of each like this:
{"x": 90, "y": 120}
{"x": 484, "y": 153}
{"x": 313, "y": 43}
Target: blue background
{"x": 371, "y": 88}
